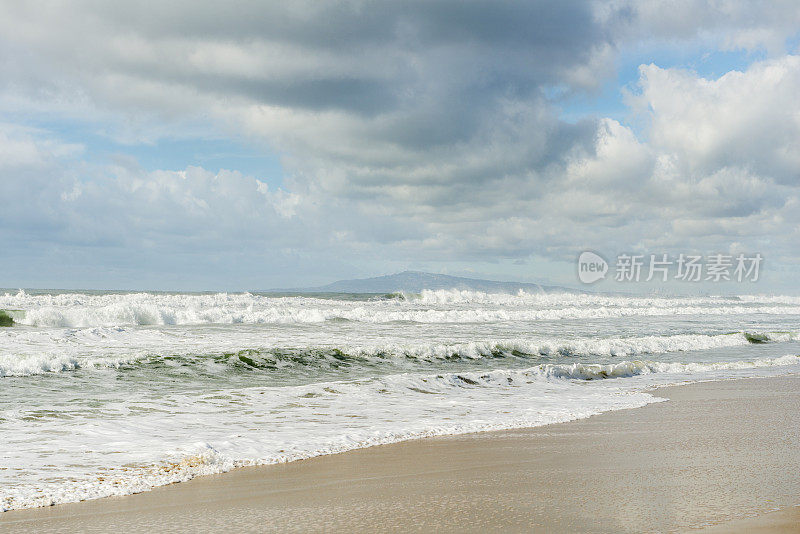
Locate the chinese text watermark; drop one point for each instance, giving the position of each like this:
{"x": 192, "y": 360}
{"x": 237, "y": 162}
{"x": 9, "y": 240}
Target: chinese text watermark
{"x": 662, "y": 267}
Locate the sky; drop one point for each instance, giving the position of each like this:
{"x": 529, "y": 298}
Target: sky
{"x": 244, "y": 145}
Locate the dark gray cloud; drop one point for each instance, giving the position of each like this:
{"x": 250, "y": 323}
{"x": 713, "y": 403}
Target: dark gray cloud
{"x": 380, "y": 51}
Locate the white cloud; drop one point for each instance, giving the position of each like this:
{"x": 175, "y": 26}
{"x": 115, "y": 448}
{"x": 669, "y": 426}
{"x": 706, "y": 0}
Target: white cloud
{"x": 749, "y": 119}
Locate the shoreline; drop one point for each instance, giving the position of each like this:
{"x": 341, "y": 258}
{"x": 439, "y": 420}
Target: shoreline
{"x": 717, "y": 453}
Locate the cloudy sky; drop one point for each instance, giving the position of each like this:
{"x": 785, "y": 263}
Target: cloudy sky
{"x": 247, "y": 144}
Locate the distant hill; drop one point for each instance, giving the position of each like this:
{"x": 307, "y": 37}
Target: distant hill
{"x": 416, "y": 281}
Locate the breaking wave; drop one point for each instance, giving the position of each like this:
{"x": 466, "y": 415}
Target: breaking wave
{"x": 95, "y": 348}
{"x": 78, "y": 310}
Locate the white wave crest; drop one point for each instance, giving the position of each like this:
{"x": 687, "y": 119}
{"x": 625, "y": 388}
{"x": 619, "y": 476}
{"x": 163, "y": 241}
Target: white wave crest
{"x": 78, "y": 310}
{"x": 625, "y": 369}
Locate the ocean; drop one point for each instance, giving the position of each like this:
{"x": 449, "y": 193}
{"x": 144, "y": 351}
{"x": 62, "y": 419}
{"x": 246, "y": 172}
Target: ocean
{"x": 112, "y": 393}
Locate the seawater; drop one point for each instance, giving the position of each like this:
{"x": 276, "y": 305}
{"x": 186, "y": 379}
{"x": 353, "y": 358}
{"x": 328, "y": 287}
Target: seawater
{"x": 111, "y": 393}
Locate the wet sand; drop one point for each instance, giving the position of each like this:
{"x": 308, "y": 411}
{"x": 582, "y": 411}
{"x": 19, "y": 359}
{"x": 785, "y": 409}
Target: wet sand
{"x": 785, "y": 521}
{"x": 718, "y": 453}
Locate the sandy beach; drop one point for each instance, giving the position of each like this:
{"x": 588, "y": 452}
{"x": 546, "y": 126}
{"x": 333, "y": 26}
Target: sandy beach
{"x": 721, "y": 455}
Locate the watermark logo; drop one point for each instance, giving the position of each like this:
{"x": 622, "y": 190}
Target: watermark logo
{"x": 661, "y": 267}
{"x": 591, "y": 267}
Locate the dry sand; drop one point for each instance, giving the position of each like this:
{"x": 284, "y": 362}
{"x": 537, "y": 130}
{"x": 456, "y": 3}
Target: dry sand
{"x": 717, "y": 453}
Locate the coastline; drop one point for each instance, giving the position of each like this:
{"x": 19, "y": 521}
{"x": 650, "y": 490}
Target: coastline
{"x": 717, "y": 453}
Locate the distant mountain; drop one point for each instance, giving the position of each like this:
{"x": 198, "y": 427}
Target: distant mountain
{"x": 415, "y": 281}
